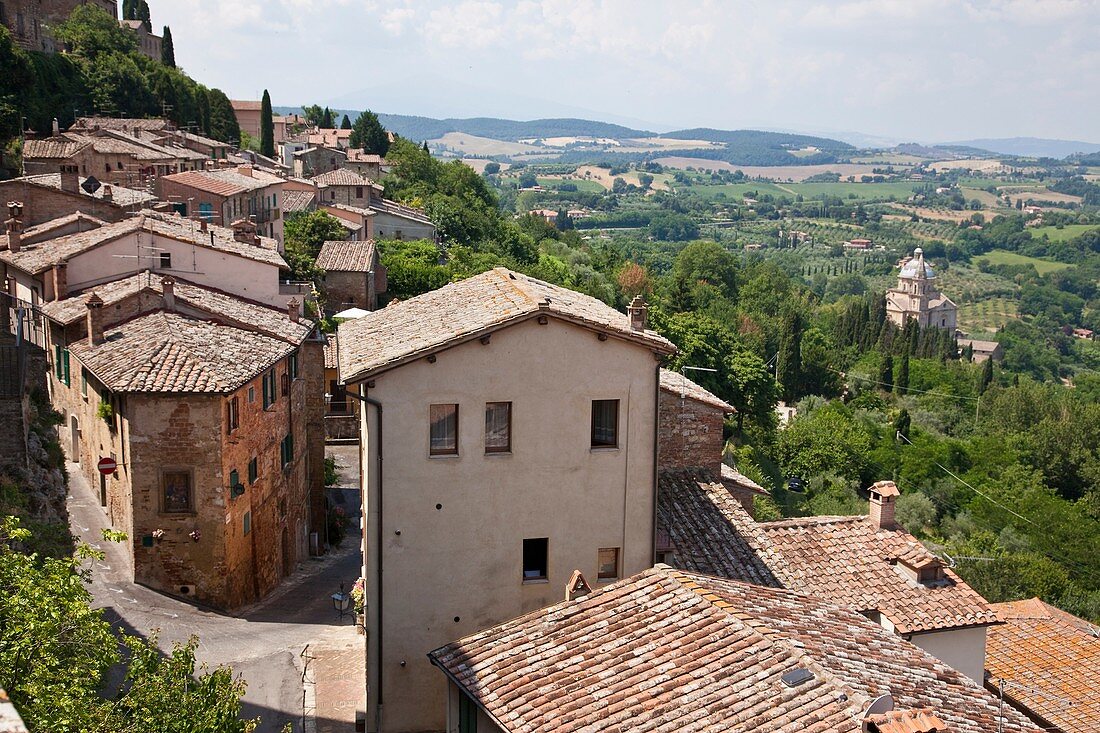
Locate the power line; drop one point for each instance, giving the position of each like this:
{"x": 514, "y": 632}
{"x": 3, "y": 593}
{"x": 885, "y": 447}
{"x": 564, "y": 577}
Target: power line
{"x": 907, "y": 389}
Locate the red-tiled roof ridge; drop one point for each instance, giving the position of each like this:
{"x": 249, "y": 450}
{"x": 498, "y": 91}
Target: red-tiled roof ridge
{"x": 907, "y": 721}
{"x": 813, "y": 520}
{"x": 677, "y": 383}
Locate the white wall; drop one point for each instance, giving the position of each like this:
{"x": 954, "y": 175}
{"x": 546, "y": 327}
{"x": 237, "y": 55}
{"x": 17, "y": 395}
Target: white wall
{"x": 963, "y": 649}
{"x": 386, "y": 226}
{"x": 464, "y": 559}
{"x": 234, "y": 274}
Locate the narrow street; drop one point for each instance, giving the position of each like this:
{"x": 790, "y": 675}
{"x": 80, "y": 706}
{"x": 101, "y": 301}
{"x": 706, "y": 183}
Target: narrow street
{"x": 269, "y": 644}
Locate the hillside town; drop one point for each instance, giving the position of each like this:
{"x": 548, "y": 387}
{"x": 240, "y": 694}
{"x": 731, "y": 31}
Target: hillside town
{"x": 383, "y": 482}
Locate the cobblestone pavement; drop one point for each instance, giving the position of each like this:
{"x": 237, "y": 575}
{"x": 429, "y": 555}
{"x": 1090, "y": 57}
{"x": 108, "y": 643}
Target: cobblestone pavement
{"x": 263, "y": 643}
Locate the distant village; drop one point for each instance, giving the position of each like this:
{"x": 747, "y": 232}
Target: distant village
{"x": 552, "y": 536}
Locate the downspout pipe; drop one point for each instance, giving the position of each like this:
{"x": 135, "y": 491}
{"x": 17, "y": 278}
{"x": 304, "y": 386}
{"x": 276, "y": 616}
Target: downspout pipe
{"x": 656, "y": 460}
{"x": 378, "y": 566}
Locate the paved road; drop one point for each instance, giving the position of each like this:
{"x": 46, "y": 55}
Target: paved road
{"x": 262, "y": 643}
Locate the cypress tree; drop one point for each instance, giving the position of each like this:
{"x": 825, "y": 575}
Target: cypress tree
{"x": 368, "y": 133}
{"x": 902, "y": 423}
{"x": 789, "y": 365}
{"x": 142, "y": 14}
{"x": 986, "y": 377}
{"x": 901, "y": 382}
{"x": 129, "y": 9}
{"x": 326, "y": 119}
{"x": 167, "y": 50}
{"x": 267, "y": 127}
{"x": 426, "y": 147}
{"x": 345, "y": 124}
{"x": 886, "y": 373}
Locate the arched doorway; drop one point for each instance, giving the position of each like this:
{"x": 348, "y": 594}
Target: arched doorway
{"x": 74, "y": 435}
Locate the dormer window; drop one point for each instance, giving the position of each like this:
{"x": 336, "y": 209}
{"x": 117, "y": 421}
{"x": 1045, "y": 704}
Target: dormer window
{"x": 927, "y": 571}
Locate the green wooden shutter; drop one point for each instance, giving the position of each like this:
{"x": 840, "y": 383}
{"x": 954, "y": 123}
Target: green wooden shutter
{"x": 57, "y": 360}
{"x": 65, "y": 362}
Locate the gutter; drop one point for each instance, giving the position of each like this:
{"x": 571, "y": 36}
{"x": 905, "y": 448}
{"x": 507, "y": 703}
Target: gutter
{"x": 462, "y": 690}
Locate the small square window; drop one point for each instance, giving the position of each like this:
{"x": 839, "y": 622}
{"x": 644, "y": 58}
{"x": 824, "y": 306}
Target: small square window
{"x": 443, "y": 430}
{"x": 166, "y": 260}
{"x": 535, "y": 556}
{"x": 605, "y": 423}
{"x": 498, "y": 427}
{"x": 609, "y": 563}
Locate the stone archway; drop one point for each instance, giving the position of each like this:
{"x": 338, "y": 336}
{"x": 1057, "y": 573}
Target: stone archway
{"x": 74, "y": 436}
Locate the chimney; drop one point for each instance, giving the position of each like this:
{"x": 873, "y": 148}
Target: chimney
{"x": 202, "y": 224}
{"x": 108, "y": 195}
{"x": 70, "y": 179}
{"x": 15, "y": 225}
{"x": 95, "y": 320}
{"x": 244, "y": 231}
{"x": 168, "y": 289}
{"x": 883, "y": 496}
{"x": 245, "y": 170}
{"x": 56, "y": 128}
{"x": 292, "y": 309}
{"x": 639, "y": 312}
{"x": 60, "y": 280}
{"x": 577, "y": 587}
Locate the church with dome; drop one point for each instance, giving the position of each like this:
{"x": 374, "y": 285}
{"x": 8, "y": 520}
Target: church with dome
{"x": 917, "y": 297}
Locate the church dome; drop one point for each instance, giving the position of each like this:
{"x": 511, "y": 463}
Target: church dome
{"x": 917, "y": 267}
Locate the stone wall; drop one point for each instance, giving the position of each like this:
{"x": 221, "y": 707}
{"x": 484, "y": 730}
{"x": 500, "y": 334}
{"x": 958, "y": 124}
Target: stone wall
{"x": 42, "y": 204}
{"x": 347, "y": 289}
{"x": 689, "y": 433}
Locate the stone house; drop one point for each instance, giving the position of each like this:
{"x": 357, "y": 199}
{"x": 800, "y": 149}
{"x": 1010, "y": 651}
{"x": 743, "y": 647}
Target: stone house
{"x": 981, "y": 350}
{"x": 354, "y": 277}
{"x": 148, "y": 43}
{"x": 55, "y": 195}
{"x": 342, "y": 186}
{"x": 341, "y": 411}
{"x": 30, "y": 20}
{"x": 226, "y": 196}
{"x": 51, "y": 267}
{"x": 364, "y": 163}
{"x": 518, "y": 410}
{"x": 330, "y": 137}
{"x": 311, "y": 162}
{"x": 111, "y": 156}
{"x": 668, "y": 651}
{"x": 397, "y": 221}
{"x": 865, "y": 562}
{"x": 358, "y": 222}
{"x": 210, "y": 405}
{"x": 916, "y": 297}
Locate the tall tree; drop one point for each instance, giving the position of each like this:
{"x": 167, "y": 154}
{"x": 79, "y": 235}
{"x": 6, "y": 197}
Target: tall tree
{"x": 167, "y": 50}
{"x": 267, "y": 127}
{"x": 886, "y": 373}
{"x": 901, "y": 381}
{"x": 368, "y": 133}
{"x": 223, "y": 120}
{"x": 903, "y": 423}
{"x": 986, "y": 377}
{"x": 789, "y": 366}
{"x": 345, "y": 124}
{"x": 143, "y": 15}
{"x": 326, "y": 119}
{"x": 313, "y": 114}
{"x": 129, "y": 9}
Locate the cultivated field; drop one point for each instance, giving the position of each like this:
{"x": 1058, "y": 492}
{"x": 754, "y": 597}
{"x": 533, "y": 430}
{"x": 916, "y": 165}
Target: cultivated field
{"x": 776, "y": 173}
{"x": 1063, "y": 233}
{"x": 986, "y": 316}
{"x": 474, "y": 145}
{"x": 1003, "y": 257}
{"x": 988, "y": 165}
{"x": 925, "y": 212}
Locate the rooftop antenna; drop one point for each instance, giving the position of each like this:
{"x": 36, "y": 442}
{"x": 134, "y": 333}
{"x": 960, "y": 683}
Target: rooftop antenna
{"x": 683, "y": 377}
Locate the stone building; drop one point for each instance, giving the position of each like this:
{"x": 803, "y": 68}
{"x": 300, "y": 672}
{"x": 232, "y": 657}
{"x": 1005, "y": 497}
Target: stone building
{"x": 364, "y": 163}
{"x": 148, "y": 42}
{"x": 210, "y": 406}
{"x": 341, "y": 411}
{"x": 916, "y": 297}
{"x": 342, "y": 186}
{"x": 30, "y": 20}
{"x": 226, "y": 196}
{"x": 353, "y": 275}
{"x": 516, "y": 410}
{"x": 111, "y": 156}
{"x": 310, "y": 162}
{"x": 57, "y": 195}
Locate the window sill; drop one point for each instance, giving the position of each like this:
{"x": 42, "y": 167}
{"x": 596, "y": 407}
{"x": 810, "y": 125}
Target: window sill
{"x": 498, "y": 454}
{"x": 443, "y": 456}
{"x": 604, "y": 449}
{"x": 536, "y": 581}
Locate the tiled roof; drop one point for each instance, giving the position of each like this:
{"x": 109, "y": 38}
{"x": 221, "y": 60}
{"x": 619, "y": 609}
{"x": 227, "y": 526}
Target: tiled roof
{"x": 709, "y": 529}
{"x": 385, "y": 206}
{"x": 245, "y": 105}
{"x": 347, "y": 256}
{"x": 678, "y": 384}
{"x": 53, "y": 148}
{"x": 170, "y": 352}
{"x": 227, "y": 182}
{"x": 1049, "y": 661}
{"x": 41, "y": 256}
{"x": 907, "y": 721}
{"x": 120, "y": 123}
{"x": 359, "y": 155}
{"x": 342, "y": 177}
{"x": 120, "y": 197}
{"x": 42, "y": 231}
{"x": 332, "y": 351}
{"x": 110, "y": 142}
{"x": 224, "y": 307}
{"x": 731, "y": 475}
{"x": 463, "y": 310}
{"x": 669, "y": 650}
{"x": 294, "y": 201}
{"x": 847, "y": 560}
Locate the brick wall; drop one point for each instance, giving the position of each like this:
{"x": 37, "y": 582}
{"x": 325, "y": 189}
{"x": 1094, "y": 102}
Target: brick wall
{"x": 346, "y": 289}
{"x": 42, "y": 204}
{"x": 689, "y": 433}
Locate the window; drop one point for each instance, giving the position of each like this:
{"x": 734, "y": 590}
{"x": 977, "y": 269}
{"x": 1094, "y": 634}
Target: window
{"x": 285, "y": 384}
{"x": 269, "y": 389}
{"x": 253, "y": 471}
{"x": 251, "y": 395}
{"x": 286, "y": 450}
{"x": 292, "y": 365}
{"x": 338, "y": 405}
{"x": 534, "y": 559}
{"x": 609, "y": 563}
{"x": 498, "y": 427}
{"x": 467, "y": 714}
{"x": 177, "y": 491}
{"x": 444, "y": 430}
{"x": 166, "y": 260}
{"x": 605, "y": 423}
{"x": 247, "y": 522}
{"x": 83, "y": 382}
{"x": 358, "y": 192}
{"x": 232, "y": 414}
{"x": 235, "y": 478}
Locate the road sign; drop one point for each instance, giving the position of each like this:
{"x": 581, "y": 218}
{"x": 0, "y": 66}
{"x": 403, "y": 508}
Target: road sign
{"x": 107, "y": 466}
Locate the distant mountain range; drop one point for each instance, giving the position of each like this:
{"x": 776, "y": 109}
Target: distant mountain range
{"x": 1031, "y": 147}
{"x": 427, "y": 128}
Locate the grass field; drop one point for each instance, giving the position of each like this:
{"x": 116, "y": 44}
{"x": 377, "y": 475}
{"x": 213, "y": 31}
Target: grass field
{"x": 1002, "y": 257}
{"x": 1066, "y": 233}
{"x": 581, "y": 184}
{"x": 808, "y": 191}
{"x": 986, "y": 315}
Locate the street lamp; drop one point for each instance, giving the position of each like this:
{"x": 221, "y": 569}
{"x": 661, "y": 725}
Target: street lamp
{"x": 341, "y": 602}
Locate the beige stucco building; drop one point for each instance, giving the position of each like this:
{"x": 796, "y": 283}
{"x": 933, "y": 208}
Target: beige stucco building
{"x": 917, "y": 297}
{"x": 506, "y": 409}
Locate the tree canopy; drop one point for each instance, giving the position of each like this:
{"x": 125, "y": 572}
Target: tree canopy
{"x": 367, "y": 133}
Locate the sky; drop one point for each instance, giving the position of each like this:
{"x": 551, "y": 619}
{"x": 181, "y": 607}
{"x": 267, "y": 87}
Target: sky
{"x": 902, "y": 70}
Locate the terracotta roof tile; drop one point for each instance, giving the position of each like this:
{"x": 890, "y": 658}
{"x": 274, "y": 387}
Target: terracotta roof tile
{"x": 462, "y": 310}
{"x": 676, "y": 383}
{"x": 342, "y": 177}
{"x": 670, "y": 650}
{"x": 1049, "y": 661}
{"x": 53, "y": 148}
{"x": 332, "y": 351}
{"x": 170, "y": 352}
{"x": 385, "y": 206}
{"x": 347, "y": 256}
{"x": 120, "y": 197}
{"x": 227, "y": 182}
{"x": 294, "y": 201}
{"x": 907, "y": 721}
